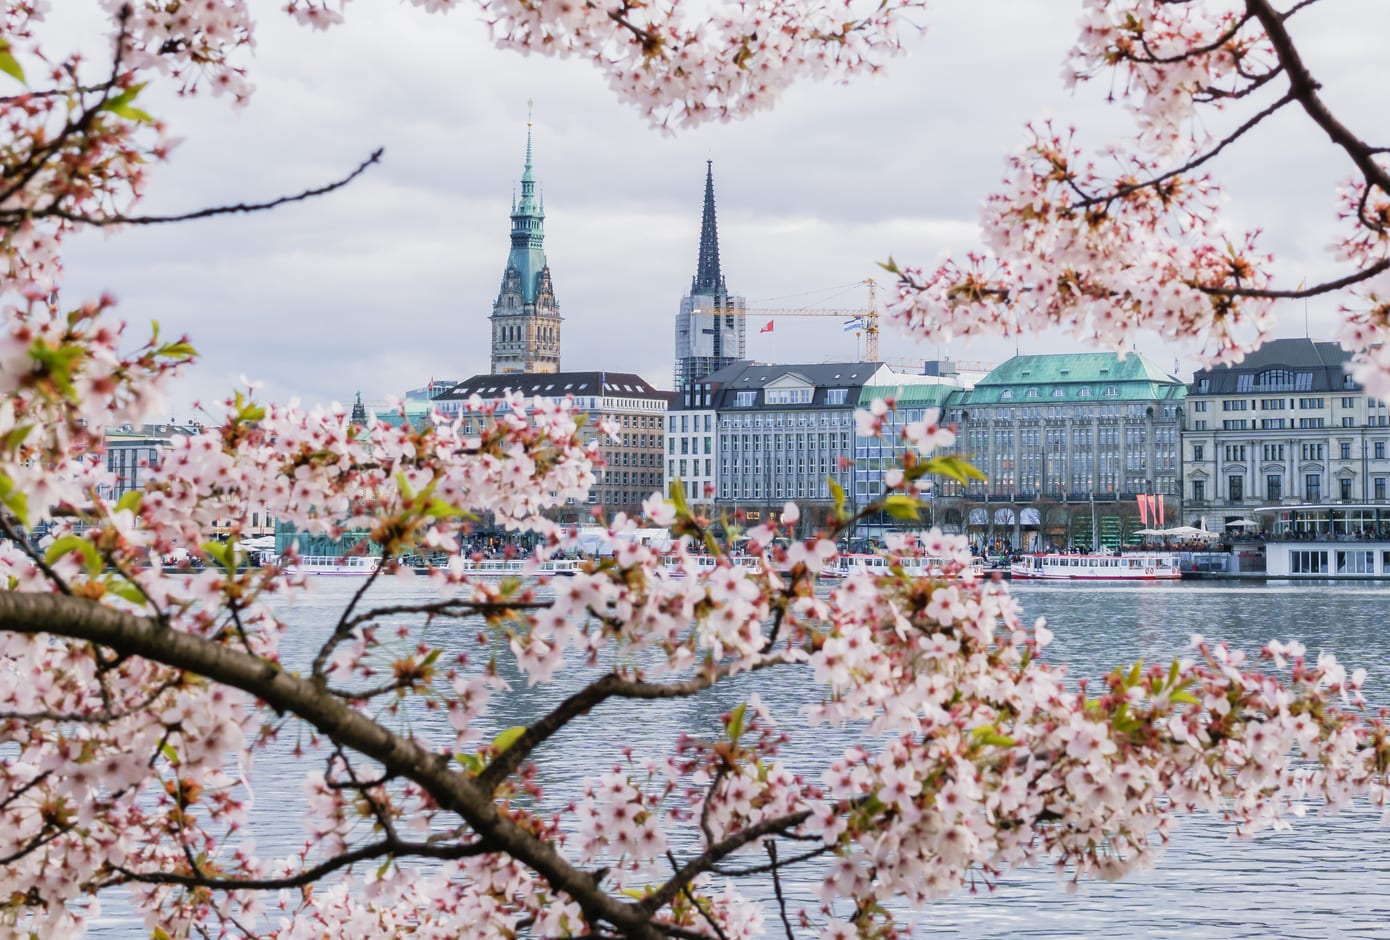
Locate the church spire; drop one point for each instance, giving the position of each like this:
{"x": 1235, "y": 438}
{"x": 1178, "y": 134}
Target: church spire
{"x": 707, "y": 278}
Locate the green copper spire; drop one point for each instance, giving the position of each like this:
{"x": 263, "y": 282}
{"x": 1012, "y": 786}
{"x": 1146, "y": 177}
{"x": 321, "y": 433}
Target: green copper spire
{"x": 528, "y": 230}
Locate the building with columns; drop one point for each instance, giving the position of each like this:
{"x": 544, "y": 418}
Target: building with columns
{"x": 711, "y": 329}
{"x": 1067, "y": 443}
{"x": 1287, "y": 425}
{"x": 525, "y": 316}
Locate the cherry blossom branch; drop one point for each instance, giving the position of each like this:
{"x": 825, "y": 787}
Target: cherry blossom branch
{"x": 1128, "y": 189}
{"x": 1356, "y": 277}
{"x": 1304, "y": 87}
{"x": 132, "y": 635}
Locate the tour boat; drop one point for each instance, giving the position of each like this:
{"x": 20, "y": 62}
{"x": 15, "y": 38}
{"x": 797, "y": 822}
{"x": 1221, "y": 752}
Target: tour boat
{"x": 1131, "y": 566}
{"x": 674, "y": 568}
{"x": 917, "y": 566}
{"x": 515, "y": 567}
{"x": 347, "y": 566}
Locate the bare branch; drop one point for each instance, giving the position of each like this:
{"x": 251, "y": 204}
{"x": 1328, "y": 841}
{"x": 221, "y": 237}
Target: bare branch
{"x": 236, "y": 208}
{"x": 388, "y": 847}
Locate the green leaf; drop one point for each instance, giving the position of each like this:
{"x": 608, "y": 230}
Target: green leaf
{"x": 997, "y": 740}
{"x": 9, "y": 64}
{"x": 837, "y": 491}
{"x": 74, "y": 543}
{"x": 472, "y": 763}
{"x": 956, "y": 467}
{"x": 432, "y": 658}
{"x": 14, "y": 500}
{"x": 678, "y": 498}
{"x": 180, "y": 350}
{"x": 125, "y": 591}
{"x": 890, "y": 266}
{"x": 247, "y": 411}
{"x": 131, "y": 500}
{"x": 168, "y": 751}
{"x": 903, "y": 506}
{"x": 1182, "y": 697}
{"x": 736, "y": 722}
{"x": 507, "y": 738}
{"x": 224, "y": 553}
{"x": 57, "y": 363}
{"x": 121, "y": 106}
{"x": 17, "y": 435}
{"x": 1134, "y": 674}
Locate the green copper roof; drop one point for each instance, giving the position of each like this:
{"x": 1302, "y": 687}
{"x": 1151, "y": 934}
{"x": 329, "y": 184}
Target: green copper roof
{"x": 528, "y": 231}
{"x": 930, "y": 396}
{"x": 1094, "y": 376}
{"x": 1076, "y": 367}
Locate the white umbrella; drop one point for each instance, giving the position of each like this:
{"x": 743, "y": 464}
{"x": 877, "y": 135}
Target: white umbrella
{"x": 1189, "y": 532}
{"x": 1243, "y": 524}
{"x": 1151, "y": 532}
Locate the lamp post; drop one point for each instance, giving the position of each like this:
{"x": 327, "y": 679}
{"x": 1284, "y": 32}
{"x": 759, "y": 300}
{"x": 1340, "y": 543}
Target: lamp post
{"x": 1095, "y": 524}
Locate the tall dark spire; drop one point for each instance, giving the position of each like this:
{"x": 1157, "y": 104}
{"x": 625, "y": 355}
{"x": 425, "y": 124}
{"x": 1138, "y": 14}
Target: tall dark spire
{"x": 707, "y": 278}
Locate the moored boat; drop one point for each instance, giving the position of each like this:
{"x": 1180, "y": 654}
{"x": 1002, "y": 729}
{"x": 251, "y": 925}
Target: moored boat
{"x": 343, "y": 566}
{"x": 515, "y": 567}
{"x": 1131, "y": 566}
{"x": 917, "y": 566}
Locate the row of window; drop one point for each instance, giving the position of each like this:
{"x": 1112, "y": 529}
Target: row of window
{"x": 1235, "y": 453}
{"x": 1346, "y": 561}
{"x": 1274, "y": 488}
{"x": 748, "y": 398}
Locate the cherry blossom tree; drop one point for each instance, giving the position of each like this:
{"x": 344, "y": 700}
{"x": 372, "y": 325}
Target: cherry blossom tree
{"x": 135, "y": 703}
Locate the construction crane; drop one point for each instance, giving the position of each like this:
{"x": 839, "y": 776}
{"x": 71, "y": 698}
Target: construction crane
{"x": 867, "y": 317}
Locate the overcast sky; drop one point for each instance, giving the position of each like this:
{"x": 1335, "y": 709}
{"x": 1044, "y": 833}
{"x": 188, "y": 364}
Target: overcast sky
{"x": 381, "y": 286}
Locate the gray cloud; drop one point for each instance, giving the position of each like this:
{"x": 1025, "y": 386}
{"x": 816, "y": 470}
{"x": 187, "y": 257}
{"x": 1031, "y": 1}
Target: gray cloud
{"x": 388, "y": 283}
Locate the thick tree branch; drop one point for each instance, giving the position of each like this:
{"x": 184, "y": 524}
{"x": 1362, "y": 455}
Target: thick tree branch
{"x": 130, "y": 635}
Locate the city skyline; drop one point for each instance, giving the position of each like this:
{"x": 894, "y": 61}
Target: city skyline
{"x": 390, "y": 281}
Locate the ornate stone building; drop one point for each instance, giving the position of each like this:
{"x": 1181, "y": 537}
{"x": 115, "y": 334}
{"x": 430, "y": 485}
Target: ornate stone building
{"x": 1285, "y": 426}
{"x": 710, "y": 328}
{"x": 525, "y": 317}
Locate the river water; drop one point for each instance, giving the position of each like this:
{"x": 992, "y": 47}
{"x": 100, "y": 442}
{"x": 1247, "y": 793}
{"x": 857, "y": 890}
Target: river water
{"x": 1328, "y": 877}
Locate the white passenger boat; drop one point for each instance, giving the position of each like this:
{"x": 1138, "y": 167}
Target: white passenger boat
{"x": 917, "y": 566}
{"x": 342, "y": 566}
{"x": 515, "y": 567}
{"x": 674, "y": 568}
{"x": 1131, "y": 566}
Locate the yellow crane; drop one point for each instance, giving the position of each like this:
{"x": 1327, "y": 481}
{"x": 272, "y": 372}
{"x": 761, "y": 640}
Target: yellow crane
{"x": 867, "y": 317}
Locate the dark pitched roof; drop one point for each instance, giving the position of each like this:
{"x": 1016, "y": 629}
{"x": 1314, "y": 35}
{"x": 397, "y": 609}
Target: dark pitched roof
{"x": 754, "y": 376}
{"x": 555, "y": 384}
{"x": 1315, "y": 367}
